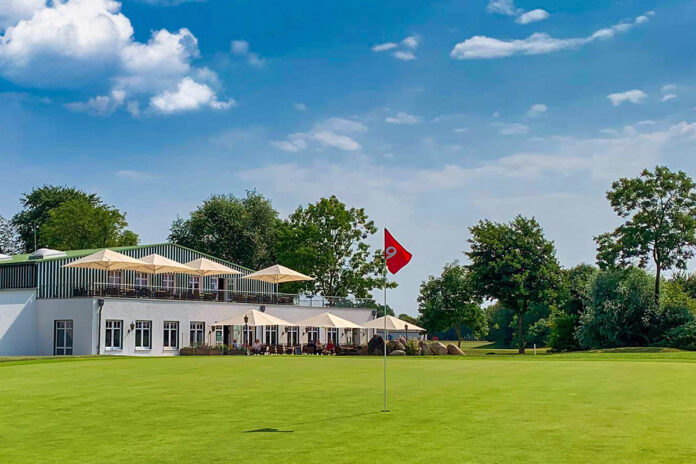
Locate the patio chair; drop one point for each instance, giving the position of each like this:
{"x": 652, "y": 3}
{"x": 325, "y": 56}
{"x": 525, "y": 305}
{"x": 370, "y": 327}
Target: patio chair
{"x": 272, "y": 349}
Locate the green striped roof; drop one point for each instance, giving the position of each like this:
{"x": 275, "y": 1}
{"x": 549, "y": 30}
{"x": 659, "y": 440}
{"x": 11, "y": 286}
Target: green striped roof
{"x": 17, "y": 259}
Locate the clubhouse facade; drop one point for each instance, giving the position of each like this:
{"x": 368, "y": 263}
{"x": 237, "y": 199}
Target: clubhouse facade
{"x": 49, "y": 309}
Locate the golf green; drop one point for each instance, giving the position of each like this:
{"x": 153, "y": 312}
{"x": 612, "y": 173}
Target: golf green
{"x": 587, "y": 408}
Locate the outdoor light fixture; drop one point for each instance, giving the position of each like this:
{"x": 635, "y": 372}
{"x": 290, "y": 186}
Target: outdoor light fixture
{"x": 132, "y": 326}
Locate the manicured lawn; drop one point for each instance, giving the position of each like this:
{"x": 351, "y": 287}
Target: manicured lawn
{"x": 623, "y": 408}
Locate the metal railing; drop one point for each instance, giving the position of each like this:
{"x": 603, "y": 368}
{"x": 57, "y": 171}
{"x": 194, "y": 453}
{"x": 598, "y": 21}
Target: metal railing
{"x": 111, "y": 290}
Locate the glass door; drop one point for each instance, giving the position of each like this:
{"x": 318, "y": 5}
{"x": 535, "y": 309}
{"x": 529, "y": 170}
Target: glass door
{"x": 63, "y": 338}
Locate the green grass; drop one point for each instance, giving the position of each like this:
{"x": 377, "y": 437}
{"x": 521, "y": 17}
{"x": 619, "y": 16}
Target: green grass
{"x": 620, "y": 408}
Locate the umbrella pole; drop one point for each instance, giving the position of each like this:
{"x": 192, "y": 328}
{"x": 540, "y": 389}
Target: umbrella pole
{"x": 385, "y": 340}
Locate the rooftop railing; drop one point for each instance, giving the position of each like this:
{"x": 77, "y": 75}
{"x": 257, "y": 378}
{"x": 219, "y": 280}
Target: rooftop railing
{"x": 111, "y": 290}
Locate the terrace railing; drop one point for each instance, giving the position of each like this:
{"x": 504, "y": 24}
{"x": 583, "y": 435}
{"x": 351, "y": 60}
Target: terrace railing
{"x": 110, "y": 290}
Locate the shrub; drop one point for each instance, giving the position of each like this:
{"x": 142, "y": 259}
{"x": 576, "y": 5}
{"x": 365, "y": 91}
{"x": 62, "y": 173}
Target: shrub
{"x": 683, "y": 337}
{"x": 562, "y": 332}
{"x": 538, "y": 333}
{"x": 412, "y": 347}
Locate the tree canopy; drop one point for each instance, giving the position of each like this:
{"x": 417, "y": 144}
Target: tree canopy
{"x": 36, "y": 207}
{"x": 80, "y": 224}
{"x": 240, "y": 230}
{"x": 515, "y": 264}
{"x": 660, "y": 211}
{"x": 328, "y": 241}
{"x": 450, "y": 301}
{"x": 9, "y": 240}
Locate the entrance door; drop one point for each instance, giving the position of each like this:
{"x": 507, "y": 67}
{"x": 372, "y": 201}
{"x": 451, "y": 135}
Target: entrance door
{"x": 63, "y": 338}
{"x": 221, "y": 293}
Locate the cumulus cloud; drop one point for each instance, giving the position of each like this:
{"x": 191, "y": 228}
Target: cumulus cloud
{"x": 403, "y": 118}
{"x": 300, "y": 106}
{"x": 483, "y": 47}
{"x": 532, "y": 16}
{"x": 632, "y": 96}
{"x": 241, "y": 48}
{"x": 75, "y": 42}
{"x": 102, "y": 105}
{"x": 403, "y": 50}
{"x": 189, "y": 95}
{"x": 13, "y": 11}
{"x": 536, "y": 110}
{"x": 513, "y": 128}
{"x": 332, "y": 132}
{"x": 668, "y": 97}
{"x": 507, "y": 8}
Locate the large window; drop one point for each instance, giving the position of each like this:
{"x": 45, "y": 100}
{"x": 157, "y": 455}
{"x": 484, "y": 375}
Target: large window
{"x": 143, "y": 331}
{"x": 271, "y": 335}
{"x": 113, "y": 335}
{"x": 114, "y": 278}
{"x": 140, "y": 279}
{"x": 63, "y": 337}
{"x": 332, "y": 335}
{"x": 194, "y": 283}
{"x": 312, "y": 334}
{"x": 197, "y": 333}
{"x": 293, "y": 338}
{"x": 171, "y": 335}
{"x": 168, "y": 281}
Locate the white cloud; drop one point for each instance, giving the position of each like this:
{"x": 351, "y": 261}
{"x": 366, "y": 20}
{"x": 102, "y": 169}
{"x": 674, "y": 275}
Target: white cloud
{"x": 536, "y": 110}
{"x": 532, "y": 16}
{"x": 241, "y": 48}
{"x": 384, "y": 47}
{"x": 403, "y": 50}
{"x": 300, "y": 106}
{"x": 13, "y": 11}
{"x": 667, "y": 88}
{"x": 103, "y": 105}
{"x": 404, "y": 55}
{"x": 483, "y": 47}
{"x": 632, "y": 96}
{"x": 668, "y": 97}
{"x": 137, "y": 176}
{"x": 73, "y": 43}
{"x": 332, "y": 132}
{"x": 189, "y": 95}
{"x": 513, "y": 128}
{"x": 503, "y": 7}
{"x": 403, "y": 118}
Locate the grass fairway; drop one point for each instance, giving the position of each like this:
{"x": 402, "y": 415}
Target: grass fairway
{"x": 582, "y": 408}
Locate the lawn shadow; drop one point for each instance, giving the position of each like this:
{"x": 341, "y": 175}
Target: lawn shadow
{"x": 330, "y": 419}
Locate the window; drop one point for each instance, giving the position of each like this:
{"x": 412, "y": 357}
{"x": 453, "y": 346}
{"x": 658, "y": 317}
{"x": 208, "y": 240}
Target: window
{"x": 113, "y": 335}
{"x": 194, "y": 283}
{"x": 312, "y": 334}
{"x": 114, "y": 278}
{"x": 332, "y": 335}
{"x": 271, "y": 335}
{"x": 218, "y": 336}
{"x": 63, "y": 338}
{"x": 143, "y": 329}
{"x": 171, "y": 335}
{"x": 248, "y": 335}
{"x": 168, "y": 281}
{"x": 214, "y": 285}
{"x": 197, "y": 333}
{"x": 140, "y": 279}
{"x": 293, "y": 338}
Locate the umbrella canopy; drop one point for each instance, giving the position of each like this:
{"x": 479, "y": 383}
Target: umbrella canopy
{"x": 394, "y": 324}
{"x": 277, "y": 275}
{"x": 105, "y": 260}
{"x": 328, "y": 320}
{"x": 206, "y": 267}
{"x": 157, "y": 264}
{"x": 255, "y": 318}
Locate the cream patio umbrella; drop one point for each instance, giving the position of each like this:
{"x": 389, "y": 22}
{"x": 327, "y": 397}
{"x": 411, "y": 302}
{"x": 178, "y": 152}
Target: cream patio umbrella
{"x": 157, "y": 264}
{"x": 254, "y": 318}
{"x": 328, "y": 321}
{"x": 393, "y": 324}
{"x": 105, "y": 260}
{"x": 205, "y": 267}
{"x": 277, "y": 274}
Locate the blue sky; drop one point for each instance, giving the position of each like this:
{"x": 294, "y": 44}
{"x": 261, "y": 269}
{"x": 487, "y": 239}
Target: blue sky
{"x": 431, "y": 115}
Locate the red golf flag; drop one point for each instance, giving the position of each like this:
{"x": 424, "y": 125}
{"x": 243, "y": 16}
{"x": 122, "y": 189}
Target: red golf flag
{"x": 396, "y": 255}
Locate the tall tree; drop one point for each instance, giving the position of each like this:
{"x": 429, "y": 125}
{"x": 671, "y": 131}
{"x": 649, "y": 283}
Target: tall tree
{"x": 9, "y": 240}
{"x": 79, "y": 224}
{"x": 515, "y": 264}
{"x": 327, "y": 241}
{"x": 450, "y": 301}
{"x": 36, "y": 208}
{"x": 241, "y": 230}
{"x": 660, "y": 211}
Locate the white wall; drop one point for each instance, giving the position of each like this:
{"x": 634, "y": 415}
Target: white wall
{"x": 17, "y": 322}
{"x": 82, "y": 311}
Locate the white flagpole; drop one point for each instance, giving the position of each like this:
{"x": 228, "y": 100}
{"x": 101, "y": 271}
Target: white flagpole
{"x": 385, "y": 337}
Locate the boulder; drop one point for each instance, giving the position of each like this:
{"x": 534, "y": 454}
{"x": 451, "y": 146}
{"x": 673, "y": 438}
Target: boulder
{"x": 425, "y": 350}
{"x": 397, "y": 353}
{"x": 454, "y": 350}
{"x": 438, "y": 348}
{"x": 399, "y": 345}
{"x": 391, "y": 345}
{"x": 376, "y": 345}
{"x": 403, "y": 340}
